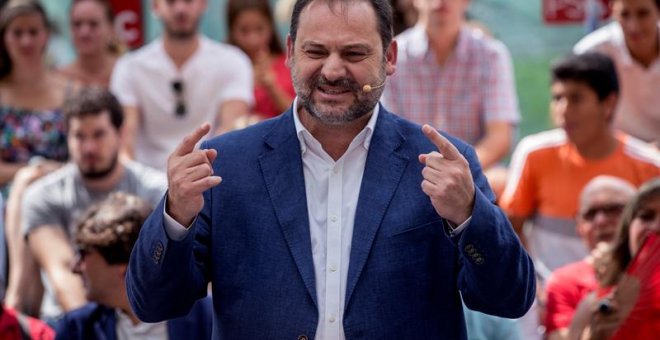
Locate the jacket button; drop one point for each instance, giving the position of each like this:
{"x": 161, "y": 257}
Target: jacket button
{"x": 469, "y": 249}
{"x": 303, "y": 337}
{"x": 479, "y": 260}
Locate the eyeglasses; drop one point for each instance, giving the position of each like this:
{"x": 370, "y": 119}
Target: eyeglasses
{"x": 180, "y": 107}
{"x": 610, "y": 210}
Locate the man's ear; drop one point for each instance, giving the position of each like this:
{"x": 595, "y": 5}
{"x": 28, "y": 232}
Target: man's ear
{"x": 610, "y": 105}
{"x": 391, "y": 55}
{"x": 289, "y": 51}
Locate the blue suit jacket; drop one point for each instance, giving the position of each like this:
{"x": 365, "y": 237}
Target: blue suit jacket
{"x": 252, "y": 240}
{"x": 94, "y": 321}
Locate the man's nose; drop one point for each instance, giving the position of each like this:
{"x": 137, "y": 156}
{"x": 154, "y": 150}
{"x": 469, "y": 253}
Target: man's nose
{"x": 333, "y": 68}
{"x": 88, "y": 145}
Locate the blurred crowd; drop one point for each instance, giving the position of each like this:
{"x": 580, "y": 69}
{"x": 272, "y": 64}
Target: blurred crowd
{"x": 84, "y": 151}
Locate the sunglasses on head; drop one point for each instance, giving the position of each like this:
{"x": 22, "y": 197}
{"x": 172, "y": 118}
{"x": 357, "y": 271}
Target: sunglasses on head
{"x": 180, "y": 106}
{"x": 610, "y": 210}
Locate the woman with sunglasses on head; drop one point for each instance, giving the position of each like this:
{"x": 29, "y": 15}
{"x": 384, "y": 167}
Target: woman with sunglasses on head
{"x": 91, "y": 25}
{"x": 32, "y": 131}
{"x": 252, "y": 29}
{"x": 601, "y": 316}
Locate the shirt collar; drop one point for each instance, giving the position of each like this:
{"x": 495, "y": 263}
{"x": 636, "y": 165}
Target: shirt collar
{"x": 418, "y": 45}
{"x": 306, "y": 139}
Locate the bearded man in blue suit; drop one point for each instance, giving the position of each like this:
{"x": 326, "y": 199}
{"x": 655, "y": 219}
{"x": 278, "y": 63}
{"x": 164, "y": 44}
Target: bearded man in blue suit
{"x": 336, "y": 220}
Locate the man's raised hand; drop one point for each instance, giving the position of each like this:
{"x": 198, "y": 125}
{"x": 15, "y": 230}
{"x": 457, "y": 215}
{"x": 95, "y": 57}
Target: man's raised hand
{"x": 447, "y": 179}
{"x": 189, "y": 174}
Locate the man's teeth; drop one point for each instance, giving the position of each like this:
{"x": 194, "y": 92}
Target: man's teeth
{"x": 333, "y": 91}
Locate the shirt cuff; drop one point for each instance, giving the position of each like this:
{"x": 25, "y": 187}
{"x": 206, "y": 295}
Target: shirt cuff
{"x": 174, "y": 230}
{"x": 455, "y": 231}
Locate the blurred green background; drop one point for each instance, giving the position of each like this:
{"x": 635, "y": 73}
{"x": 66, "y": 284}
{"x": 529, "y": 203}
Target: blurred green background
{"x": 518, "y": 23}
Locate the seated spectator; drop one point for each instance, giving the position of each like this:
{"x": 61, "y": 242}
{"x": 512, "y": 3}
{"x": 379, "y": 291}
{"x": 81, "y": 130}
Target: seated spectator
{"x": 549, "y": 169}
{"x": 252, "y": 29}
{"x": 105, "y": 237}
{"x": 610, "y": 317}
{"x": 16, "y": 326}
{"x": 53, "y": 204}
{"x": 633, "y": 42}
{"x": 601, "y": 202}
{"x": 457, "y": 78}
{"x": 31, "y": 121}
{"x": 32, "y": 136}
{"x": 97, "y": 48}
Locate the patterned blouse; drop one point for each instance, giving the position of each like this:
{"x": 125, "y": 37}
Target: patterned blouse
{"x": 25, "y": 133}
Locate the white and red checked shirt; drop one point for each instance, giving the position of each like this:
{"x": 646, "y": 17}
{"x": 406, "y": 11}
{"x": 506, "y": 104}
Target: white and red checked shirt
{"x": 475, "y": 85}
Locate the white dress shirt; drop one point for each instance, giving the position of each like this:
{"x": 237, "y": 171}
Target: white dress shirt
{"x": 332, "y": 189}
{"x": 126, "y": 330}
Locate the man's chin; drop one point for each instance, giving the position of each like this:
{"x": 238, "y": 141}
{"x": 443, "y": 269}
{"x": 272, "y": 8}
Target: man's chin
{"x": 182, "y": 33}
{"x": 95, "y": 173}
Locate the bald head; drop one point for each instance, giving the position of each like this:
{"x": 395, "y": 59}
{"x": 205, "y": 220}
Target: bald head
{"x": 601, "y": 203}
{"x": 606, "y": 183}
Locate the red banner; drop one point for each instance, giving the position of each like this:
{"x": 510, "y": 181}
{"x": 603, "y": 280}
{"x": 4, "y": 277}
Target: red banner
{"x": 574, "y": 11}
{"x": 129, "y": 24}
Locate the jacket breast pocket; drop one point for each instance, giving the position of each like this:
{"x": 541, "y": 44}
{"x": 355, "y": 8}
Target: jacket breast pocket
{"x": 434, "y": 227}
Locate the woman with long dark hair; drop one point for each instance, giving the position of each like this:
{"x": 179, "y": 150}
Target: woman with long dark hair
{"x": 252, "y": 29}
{"x": 605, "y": 317}
{"x": 91, "y": 25}
{"x": 32, "y": 131}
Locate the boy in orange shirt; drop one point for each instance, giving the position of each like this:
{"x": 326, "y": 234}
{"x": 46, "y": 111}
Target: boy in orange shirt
{"x": 549, "y": 169}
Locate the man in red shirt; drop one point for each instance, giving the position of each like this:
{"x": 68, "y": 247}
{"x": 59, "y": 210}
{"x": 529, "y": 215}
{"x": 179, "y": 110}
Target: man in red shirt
{"x": 601, "y": 202}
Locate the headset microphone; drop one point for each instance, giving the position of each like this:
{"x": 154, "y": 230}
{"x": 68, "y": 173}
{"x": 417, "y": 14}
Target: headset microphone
{"x": 368, "y": 88}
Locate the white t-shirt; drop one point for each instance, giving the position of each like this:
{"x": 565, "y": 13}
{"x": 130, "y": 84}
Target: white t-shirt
{"x": 126, "y": 330}
{"x": 638, "y": 111}
{"x": 215, "y": 73}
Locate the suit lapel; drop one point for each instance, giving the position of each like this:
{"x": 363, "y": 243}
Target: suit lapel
{"x": 382, "y": 174}
{"x": 282, "y": 169}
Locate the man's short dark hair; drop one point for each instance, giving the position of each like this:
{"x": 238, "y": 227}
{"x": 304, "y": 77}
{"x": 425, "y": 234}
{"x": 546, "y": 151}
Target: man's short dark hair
{"x": 383, "y": 10}
{"x": 91, "y": 101}
{"x": 594, "y": 69}
{"x": 112, "y": 226}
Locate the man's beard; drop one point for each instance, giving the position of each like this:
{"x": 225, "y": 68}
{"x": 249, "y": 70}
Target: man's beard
{"x": 363, "y": 104}
{"x": 181, "y": 34}
{"x": 101, "y": 173}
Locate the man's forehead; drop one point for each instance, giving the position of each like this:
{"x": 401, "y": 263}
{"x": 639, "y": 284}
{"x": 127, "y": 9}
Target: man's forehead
{"x": 351, "y": 12}
{"x": 605, "y": 195}
{"x": 353, "y": 21}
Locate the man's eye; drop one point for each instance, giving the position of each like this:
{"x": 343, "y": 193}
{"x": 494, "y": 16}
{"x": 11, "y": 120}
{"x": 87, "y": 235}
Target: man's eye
{"x": 355, "y": 56}
{"x": 315, "y": 54}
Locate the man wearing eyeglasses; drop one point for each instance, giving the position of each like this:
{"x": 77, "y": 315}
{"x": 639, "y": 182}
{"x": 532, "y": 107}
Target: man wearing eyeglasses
{"x": 104, "y": 237}
{"x": 177, "y": 82}
{"x": 601, "y": 204}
